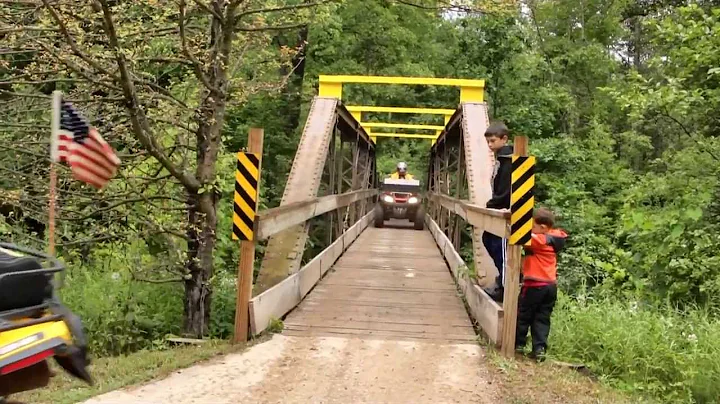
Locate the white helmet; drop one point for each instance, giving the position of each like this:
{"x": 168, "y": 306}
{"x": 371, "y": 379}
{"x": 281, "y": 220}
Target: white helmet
{"x": 402, "y": 167}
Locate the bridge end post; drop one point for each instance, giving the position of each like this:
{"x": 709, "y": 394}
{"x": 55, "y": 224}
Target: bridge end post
{"x": 329, "y": 88}
{"x": 473, "y": 93}
{"x": 247, "y": 244}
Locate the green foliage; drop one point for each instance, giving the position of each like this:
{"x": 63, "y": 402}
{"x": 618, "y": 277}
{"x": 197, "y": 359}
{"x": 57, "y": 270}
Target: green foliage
{"x": 119, "y": 315}
{"x": 122, "y": 315}
{"x": 584, "y": 204}
{"x": 276, "y": 326}
{"x": 658, "y": 350}
{"x": 413, "y": 152}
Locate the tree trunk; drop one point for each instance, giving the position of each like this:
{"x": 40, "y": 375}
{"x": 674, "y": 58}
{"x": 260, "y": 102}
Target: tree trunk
{"x": 202, "y": 220}
{"x": 202, "y": 207}
{"x": 637, "y": 43}
{"x": 199, "y": 266}
{"x": 295, "y": 86}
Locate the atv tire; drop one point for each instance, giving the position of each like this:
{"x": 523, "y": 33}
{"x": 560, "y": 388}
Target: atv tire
{"x": 379, "y": 216}
{"x": 419, "y": 218}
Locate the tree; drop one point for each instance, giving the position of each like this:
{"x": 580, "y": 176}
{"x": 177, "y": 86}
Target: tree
{"x": 161, "y": 75}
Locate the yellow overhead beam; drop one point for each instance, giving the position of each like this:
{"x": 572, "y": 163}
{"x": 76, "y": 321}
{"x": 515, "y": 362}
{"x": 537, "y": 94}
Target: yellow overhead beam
{"x": 401, "y": 110}
{"x": 428, "y": 81}
{"x": 400, "y": 126}
{"x": 470, "y": 90}
{"x": 402, "y": 135}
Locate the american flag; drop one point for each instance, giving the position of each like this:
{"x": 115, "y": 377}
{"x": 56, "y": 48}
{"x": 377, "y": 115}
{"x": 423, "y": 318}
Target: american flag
{"x": 79, "y": 145}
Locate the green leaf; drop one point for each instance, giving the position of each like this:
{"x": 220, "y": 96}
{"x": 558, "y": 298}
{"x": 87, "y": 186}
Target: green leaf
{"x": 677, "y": 231}
{"x": 694, "y": 213}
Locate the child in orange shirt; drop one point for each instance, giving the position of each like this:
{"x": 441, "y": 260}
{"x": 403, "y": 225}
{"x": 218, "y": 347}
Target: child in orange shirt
{"x": 539, "y": 290}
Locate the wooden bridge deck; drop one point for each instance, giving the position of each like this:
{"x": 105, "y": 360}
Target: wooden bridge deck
{"x": 392, "y": 283}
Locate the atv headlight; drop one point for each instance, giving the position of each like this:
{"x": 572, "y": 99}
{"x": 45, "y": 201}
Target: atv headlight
{"x": 412, "y": 200}
{"x": 388, "y": 199}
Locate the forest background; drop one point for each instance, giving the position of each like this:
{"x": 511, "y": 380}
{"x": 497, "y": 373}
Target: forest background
{"x": 619, "y": 98}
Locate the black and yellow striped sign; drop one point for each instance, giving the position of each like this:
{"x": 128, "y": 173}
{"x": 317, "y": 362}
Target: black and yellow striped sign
{"x": 522, "y": 199}
{"x": 246, "y": 195}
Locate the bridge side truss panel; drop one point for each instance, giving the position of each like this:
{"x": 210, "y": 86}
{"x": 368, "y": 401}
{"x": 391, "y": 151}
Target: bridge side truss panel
{"x": 461, "y": 167}
{"x": 479, "y": 164}
{"x": 334, "y": 156}
{"x": 284, "y": 251}
{"x": 350, "y": 167}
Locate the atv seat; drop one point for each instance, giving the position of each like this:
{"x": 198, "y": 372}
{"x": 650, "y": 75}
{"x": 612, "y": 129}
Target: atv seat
{"x": 19, "y": 291}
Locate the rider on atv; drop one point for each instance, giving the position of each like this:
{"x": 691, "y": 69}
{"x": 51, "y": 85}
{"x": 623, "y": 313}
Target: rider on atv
{"x": 400, "y": 198}
{"x": 401, "y": 172}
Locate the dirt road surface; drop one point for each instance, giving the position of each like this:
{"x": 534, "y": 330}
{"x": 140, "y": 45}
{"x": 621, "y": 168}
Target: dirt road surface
{"x": 327, "y": 370}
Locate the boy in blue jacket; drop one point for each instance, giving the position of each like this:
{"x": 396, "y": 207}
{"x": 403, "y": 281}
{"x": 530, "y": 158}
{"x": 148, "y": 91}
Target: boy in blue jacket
{"x": 497, "y": 135}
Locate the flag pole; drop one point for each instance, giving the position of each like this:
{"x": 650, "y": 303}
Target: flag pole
{"x": 54, "y": 128}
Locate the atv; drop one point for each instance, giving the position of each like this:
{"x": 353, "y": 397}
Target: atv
{"x": 400, "y": 199}
{"x": 34, "y": 325}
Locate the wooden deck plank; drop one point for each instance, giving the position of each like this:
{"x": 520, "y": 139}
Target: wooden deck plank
{"x": 314, "y": 309}
{"x": 385, "y": 335}
{"x": 391, "y": 283}
{"x": 365, "y": 272}
{"x": 385, "y": 316}
{"x": 386, "y": 303}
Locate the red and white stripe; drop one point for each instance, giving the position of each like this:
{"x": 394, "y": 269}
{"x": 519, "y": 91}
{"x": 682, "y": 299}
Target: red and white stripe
{"x": 93, "y": 161}
{"x": 60, "y": 146}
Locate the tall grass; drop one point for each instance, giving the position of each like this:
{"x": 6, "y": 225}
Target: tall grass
{"x": 661, "y": 351}
{"x": 122, "y": 315}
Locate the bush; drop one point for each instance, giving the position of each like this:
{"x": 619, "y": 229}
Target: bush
{"x": 122, "y": 315}
{"x": 663, "y": 352}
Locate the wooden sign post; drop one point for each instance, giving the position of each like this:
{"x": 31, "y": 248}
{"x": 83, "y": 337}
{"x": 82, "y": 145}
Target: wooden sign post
{"x": 247, "y": 191}
{"x": 522, "y": 200}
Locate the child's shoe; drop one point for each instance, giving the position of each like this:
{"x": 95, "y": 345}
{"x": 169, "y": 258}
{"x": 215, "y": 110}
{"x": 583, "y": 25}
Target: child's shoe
{"x": 496, "y": 294}
{"x": 538, "y": 354}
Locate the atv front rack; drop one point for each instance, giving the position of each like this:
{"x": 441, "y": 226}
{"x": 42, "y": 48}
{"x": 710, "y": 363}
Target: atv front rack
{"x": 26, "y": 287}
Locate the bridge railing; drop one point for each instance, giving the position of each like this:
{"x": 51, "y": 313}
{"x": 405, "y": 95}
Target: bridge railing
{"x": 273, "y": 221}
{"x": 326, "y": 204}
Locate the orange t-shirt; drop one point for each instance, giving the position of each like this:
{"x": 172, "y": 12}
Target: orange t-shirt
{"x": 540, "y": 263}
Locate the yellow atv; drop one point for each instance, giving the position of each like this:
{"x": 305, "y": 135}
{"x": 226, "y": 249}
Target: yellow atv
{"x": 34, "y": 325}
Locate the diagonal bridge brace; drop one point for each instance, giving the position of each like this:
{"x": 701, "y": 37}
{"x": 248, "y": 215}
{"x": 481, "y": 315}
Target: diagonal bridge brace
{"x": 284, "y": 251}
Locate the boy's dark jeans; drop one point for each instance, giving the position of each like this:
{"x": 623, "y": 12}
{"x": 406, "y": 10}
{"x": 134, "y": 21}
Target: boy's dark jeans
{"x": 534, "y": 310}
{"x": 496, "y": 247}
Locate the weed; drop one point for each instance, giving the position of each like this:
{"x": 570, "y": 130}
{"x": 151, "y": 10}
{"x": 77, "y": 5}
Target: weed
{"x": 122, "y": 316}
{"x": 276, "y": 326}
{"x": 657, "y": 351}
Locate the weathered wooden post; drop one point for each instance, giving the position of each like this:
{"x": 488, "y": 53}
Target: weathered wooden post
{"x": 522, "y": 201}
{"x": 247, "y": 191}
